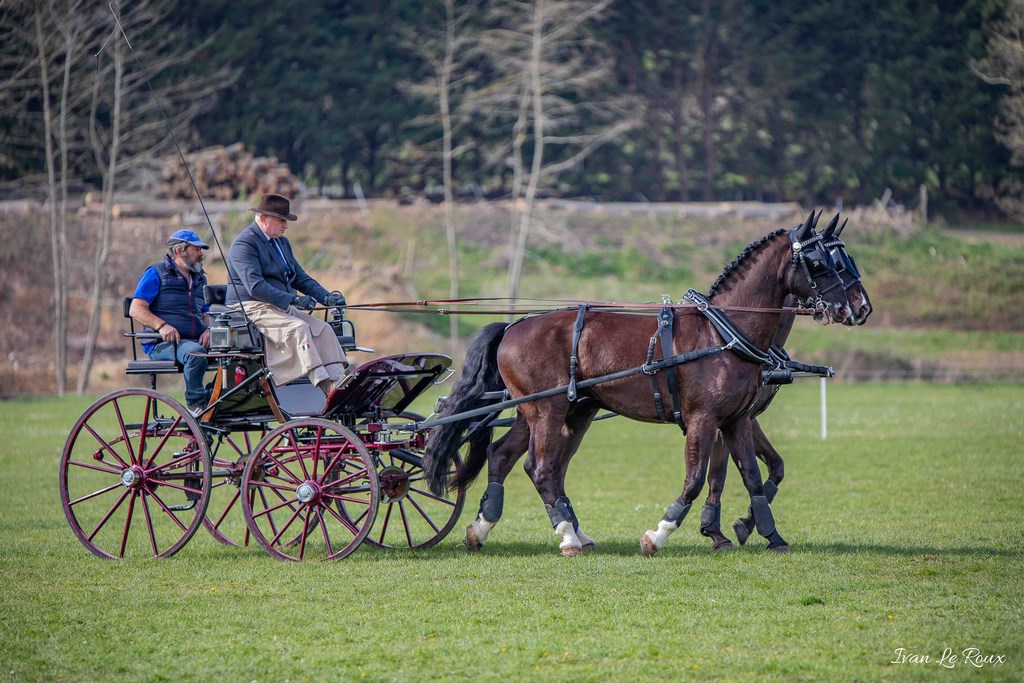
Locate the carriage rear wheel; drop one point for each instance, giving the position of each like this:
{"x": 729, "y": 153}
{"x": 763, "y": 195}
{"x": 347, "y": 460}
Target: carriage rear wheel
{"x": 310, "y": 491}
{"x": 411, "y": 516}
{"x": 135, "y": 476}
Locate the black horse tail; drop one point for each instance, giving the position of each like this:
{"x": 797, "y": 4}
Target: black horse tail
{"x": 479, "y": 375}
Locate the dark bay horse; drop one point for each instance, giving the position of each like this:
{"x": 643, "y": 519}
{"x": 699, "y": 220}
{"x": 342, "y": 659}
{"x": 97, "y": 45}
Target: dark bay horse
{"x": 860, "y": 303}
{"x": 533, "y": 355}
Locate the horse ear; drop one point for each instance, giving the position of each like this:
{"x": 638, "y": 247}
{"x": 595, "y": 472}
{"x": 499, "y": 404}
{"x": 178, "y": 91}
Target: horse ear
{"x": 840, "y": 228}
{"x": 827, "y": 235}
{"x": 814, "y": 223}
{"x": 806, "y": 228}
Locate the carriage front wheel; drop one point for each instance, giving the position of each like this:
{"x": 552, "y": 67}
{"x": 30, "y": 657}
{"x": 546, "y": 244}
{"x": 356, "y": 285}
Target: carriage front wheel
{"x": 310, "y": 491}
{"x": 135, "y": 476}
{"x": 412, "y": 516}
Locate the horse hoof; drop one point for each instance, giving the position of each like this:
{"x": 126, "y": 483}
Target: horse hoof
{"x": 781, "y": 549}
{"x": 589, "y": 547}
{"x": 571, "y": 551}
{"x": 742, "y": 532}
{"x": 473, "y": 543}
{"x": 725, "y": 544}
{"x": 647, "y": 546}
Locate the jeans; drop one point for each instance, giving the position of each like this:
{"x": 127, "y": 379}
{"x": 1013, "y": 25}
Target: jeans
{"x": 195, "y": 367}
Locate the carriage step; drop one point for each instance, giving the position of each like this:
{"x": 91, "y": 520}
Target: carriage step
{"x": 146, "y": 367}
{"x": 178, "y": 508}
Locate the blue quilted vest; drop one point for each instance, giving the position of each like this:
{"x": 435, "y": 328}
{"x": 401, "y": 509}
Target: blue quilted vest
{"x": 180, "y": 300}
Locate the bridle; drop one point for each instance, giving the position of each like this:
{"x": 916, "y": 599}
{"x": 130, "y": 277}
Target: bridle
{"x": 813, "y": 259}
{"x": 844, "y": 262}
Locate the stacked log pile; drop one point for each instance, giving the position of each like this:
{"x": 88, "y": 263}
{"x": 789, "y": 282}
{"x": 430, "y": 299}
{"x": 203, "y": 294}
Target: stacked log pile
{"x": 226, "y": 173}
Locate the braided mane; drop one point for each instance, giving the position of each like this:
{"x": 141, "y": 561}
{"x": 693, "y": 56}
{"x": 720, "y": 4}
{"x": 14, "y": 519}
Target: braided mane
{"x": 738, "y": 261}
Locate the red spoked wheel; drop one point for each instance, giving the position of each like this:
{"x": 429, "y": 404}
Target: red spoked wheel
{"x": 411, "y": 516}
{"x": 312, "y": 491}
{"x": 135, "y": 476}
{"x": 224, "y": 519}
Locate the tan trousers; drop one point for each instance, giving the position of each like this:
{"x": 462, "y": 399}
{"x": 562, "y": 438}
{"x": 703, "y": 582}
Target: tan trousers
{"x": 297, "y": 344}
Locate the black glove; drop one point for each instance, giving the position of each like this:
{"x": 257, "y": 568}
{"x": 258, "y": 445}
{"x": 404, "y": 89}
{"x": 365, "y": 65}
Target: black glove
{"x": 305, "y": 303}
{"x": 335, "y": 299}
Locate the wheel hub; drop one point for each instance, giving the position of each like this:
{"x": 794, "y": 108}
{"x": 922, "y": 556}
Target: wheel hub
{"x": 308, "y": 492}
{"x": 394, "y": 483}
{"x": 132, "y": 478}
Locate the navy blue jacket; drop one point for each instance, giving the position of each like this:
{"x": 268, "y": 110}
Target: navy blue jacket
{"x": 256, "y": 270}
{"x": 179, "y": 301}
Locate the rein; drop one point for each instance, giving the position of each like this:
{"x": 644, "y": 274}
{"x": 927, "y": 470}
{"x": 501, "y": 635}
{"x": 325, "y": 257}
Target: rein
{"x": 453, "y": 306}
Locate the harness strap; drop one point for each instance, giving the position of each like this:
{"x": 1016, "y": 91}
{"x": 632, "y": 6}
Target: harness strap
{"x": 658, "y": 405}
{"x": 668, "y": 351}
{"x": 729, "y": 332}
{"x": 577, "y": 330}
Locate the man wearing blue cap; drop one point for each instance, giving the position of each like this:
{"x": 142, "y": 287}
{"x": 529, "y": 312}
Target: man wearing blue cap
{"x": 169, "y": 301}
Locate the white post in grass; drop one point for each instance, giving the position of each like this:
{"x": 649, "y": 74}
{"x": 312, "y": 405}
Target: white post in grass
{"x": 824, "y": 410}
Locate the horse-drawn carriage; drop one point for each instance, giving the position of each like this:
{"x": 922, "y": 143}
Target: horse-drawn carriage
{"x": 303, "y": 477}
{"x": 140, "y": 474}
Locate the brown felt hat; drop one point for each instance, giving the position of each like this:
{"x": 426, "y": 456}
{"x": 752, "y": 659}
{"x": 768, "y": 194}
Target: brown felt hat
{"x": 277, "y": 206}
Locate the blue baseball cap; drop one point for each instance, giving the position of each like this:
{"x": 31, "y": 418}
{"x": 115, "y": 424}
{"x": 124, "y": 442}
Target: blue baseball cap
{"x": 188, "y": 237}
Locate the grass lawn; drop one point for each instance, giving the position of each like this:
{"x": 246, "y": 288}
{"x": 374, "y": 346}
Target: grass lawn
{"x": 905, "y": 526}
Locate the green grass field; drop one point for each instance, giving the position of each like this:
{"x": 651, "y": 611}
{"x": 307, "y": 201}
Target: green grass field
{"x": 905, "y": 525}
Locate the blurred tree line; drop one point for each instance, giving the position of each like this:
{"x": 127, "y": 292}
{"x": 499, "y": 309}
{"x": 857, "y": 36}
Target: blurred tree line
{"x": 809, "y": 100}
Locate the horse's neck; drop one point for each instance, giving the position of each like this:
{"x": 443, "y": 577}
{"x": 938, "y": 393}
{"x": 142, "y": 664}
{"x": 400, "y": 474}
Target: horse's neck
{"x": 757, "y": 285}
{"x": 786, "y": 322}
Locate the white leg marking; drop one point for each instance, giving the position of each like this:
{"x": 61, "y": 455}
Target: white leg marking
{"x": 659, "y": 537}
{"x": 476, "y": 533}
{"x": 586, "y": 541}
{"x": 483, "y": 527}
{"x": 570, "y": 544}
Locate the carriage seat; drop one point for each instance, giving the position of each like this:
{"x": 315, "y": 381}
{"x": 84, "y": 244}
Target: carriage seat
{"x": 145, "y": 366}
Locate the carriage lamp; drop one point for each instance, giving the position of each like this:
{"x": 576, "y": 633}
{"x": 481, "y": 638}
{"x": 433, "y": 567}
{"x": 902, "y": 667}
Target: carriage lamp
{"x": 222, "y": 336}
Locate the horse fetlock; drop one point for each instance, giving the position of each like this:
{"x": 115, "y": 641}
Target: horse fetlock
{"x": 763, "y": 517}
{"x": 676, "y": 513}
{"x": 711, "y": 518}
{"x": 770, "y": 489}
{"x": 777, "y": 544}
{"x": 562, "y": 511}
{"x": 586, "y": 541}
{"x": 493, "y": 502}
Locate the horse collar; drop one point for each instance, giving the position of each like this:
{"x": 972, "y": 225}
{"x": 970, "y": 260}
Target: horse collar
{"x": 734, "y": 338}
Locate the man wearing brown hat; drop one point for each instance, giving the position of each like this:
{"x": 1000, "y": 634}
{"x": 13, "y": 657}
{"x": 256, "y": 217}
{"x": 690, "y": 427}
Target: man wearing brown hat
{"x": 263, "y": 273}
